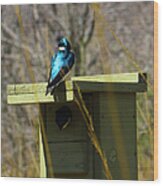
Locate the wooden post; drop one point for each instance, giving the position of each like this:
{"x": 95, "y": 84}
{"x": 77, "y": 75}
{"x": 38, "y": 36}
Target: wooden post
{"x": 43, "y": 171}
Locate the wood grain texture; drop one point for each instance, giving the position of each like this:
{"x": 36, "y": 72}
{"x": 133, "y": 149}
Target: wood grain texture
{"x": 155, "y": 90}
{"x": 114, "y": 78}
{"x": 43, "y": 170}
{"x": 115, "y": 123}
{"x": 70, "y": 157}
{"x": 35, "y": 93}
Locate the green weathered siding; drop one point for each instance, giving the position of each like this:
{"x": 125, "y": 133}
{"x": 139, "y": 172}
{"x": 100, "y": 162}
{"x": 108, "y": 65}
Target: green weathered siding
{"x": 70, "y": 148}
{"x": 115, "y": 121}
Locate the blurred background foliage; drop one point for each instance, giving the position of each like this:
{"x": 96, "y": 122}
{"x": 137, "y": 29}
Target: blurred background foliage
{"x": 106, "y": 38}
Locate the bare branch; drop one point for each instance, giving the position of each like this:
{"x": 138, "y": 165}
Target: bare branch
{"x": 89, "y": 35}
{"x": 12, "y": 57}
{"x": 51, "y": 22}
{"x": 54, "y": 9}
{"x": 15, "y": 40}
{"x": 70, "y": 22}
{"x": 8, "y": 31}
{"x": 84, "y": 21}
{"x": 18, "y": 45}
{"x": 37, "y": 33}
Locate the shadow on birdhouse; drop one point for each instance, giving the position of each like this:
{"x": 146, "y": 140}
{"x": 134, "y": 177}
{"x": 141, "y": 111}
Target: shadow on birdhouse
{"x": 63, "y": 117}
{"x": 63, "y": 114}
{"x": 59, "y": 92}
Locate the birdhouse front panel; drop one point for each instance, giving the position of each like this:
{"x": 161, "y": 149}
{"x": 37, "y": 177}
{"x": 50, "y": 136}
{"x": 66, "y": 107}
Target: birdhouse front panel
{"x": 70, "y": 148}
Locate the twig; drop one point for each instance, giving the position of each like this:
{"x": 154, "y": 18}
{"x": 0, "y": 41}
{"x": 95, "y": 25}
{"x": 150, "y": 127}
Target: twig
{"x": 37, "y": 34}
{"x": 54, "y": 19}
{"x": 10, "y": 57}
{"x": 89, "y": 35}
{"x": 18, "y": 45}
{"x": 8, "y": 31}
{"x": 84, "y": 21}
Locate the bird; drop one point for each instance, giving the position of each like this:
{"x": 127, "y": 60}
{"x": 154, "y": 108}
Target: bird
{"x": 61, "y": 64}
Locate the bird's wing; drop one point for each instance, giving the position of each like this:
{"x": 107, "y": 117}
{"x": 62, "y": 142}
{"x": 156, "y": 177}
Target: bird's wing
{"x": 51, "y": 63}
{"x": 59, "y": 69}
{"x": 70, "y": 60}
{"x": 56, "y": 64}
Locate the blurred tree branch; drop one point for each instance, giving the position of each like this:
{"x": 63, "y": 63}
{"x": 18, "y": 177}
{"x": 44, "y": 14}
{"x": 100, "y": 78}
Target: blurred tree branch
{"x": 18, "y": 45}
{"x": 8, "y": 31}
{"x": 37, "y": 34}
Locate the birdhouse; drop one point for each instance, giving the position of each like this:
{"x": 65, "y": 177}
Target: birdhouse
{"x": 111, "y": 102}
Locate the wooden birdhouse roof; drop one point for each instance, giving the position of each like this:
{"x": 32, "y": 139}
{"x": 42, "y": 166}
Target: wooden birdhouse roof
{"x": 30, "y": 93}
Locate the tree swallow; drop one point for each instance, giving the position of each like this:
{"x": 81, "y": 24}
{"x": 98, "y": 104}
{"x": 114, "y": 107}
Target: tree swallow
{"x": 61, "y": 64}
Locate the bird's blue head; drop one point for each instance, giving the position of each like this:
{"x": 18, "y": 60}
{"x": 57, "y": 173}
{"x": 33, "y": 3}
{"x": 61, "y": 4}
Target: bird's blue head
{"x": 63, "y": 44}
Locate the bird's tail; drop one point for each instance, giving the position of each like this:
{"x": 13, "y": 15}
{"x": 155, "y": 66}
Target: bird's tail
{"x": 50, "y": 90}
{"x": 47, "y": 91}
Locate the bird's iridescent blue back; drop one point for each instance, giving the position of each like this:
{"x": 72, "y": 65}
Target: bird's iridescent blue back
{"x": 62, "y": 59}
